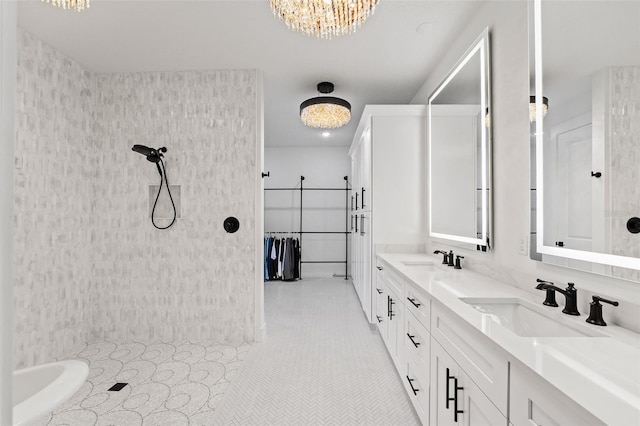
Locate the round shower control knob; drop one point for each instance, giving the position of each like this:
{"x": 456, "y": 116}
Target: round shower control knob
{"x": 231, "y": 224}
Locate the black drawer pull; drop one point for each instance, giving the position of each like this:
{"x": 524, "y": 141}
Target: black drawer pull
{"x": 379, "y": 268}
{"x": 391, "y": 303}
{"x": 416, "y": 344}
{"x": 413, "y": 302}
{"x": 455, "y": 400}
{"x": 449, "y": 377}
{"x": 415, "y": 391}
{"x": 379, "y": 318}
{"x": 379, "y": 290}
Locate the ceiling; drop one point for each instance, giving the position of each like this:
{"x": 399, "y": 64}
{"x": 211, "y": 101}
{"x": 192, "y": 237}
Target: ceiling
{"x": 384, "y": 62}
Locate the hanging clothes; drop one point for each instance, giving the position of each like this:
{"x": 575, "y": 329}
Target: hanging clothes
{"x": 281, "y": 259}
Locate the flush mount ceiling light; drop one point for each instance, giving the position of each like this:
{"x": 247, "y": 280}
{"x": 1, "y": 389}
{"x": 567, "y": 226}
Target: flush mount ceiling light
{"x": 78, "y": 5}
{"x": 325, "y": 112}
{"x": 532, "y": 107}
{"x": 323, "y": 18}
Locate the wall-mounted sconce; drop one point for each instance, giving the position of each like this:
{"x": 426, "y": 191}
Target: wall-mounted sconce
{"x": 532, "y": 107}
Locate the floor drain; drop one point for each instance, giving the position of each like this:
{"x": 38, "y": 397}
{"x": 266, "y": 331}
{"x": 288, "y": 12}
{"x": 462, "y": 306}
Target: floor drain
{"x": 117, "y": 387}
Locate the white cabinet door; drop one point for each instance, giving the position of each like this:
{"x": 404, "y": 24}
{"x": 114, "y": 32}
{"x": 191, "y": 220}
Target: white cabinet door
{"x": 366, "y": 297}
{"x": 395, "y": 328}
{"x": 455, "y": 398}
{"x": 535, "y": 402}
{"x": 365, "y": 171}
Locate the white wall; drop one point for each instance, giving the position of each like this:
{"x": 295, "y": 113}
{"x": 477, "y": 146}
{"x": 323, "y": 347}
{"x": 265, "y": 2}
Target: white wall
{"x": 7, "y": 109}
{"x": 508, "y": 24}
{"x": 322, "y": 167}
{"x": 89, "y": 264}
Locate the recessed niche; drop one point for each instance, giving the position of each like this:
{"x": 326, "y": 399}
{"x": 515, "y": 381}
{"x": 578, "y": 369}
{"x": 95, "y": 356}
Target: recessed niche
{"x": 164, "y": 210}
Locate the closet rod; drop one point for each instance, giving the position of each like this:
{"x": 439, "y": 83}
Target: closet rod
{"x": 306, "y": 189}
{"x": 307, "y": 232}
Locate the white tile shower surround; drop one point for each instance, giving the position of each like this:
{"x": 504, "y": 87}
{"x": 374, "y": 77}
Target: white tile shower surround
{"x": 320, "y": 364}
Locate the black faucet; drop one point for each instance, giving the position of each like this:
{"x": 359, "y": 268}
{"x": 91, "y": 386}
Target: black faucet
{"x": 445, "y": 257}
{"x": 458, "y": 257}
{"x": 550, "y": 300}
{"x": 570, "y": 295}
{"x": 595, "y": 311}
{"x": 450, "y": 263}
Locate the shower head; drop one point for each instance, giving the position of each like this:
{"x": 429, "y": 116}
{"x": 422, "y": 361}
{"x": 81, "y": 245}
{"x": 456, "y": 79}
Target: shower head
{"x": 152, "y": 155}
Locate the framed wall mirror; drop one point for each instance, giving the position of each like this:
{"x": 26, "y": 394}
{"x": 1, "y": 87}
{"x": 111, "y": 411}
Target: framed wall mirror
{"x": 585, "y": 133}
{"x": 459, "y": 149}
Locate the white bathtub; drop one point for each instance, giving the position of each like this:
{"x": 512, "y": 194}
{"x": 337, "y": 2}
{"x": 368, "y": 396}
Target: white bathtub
{"x": 39, "y": 390}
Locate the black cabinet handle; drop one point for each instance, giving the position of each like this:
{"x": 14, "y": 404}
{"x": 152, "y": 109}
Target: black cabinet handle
{"x": 413, "y": 302}
{"x": 379, "y": 290}
{"x": 362, "y": 198}
{"x": 415, "y": 391}
{"x": 455, "y": 400}
{"x": 388, "y": 306}
{"x": 356, "y": 201}
{"x": 356, "y": 223}
{"x": 391, "y": 303}
{"x": 379, "y": 268}
{"x": 449, "y": 377}
{"x": 379, "y": 318}
{"x": 416, "y": 344}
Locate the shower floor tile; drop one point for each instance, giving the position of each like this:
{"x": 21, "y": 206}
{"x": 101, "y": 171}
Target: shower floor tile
{"x": 166, "y": 383}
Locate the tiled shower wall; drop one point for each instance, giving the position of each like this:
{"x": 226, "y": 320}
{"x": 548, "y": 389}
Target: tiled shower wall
{"x": 89, "y": 264}
{"x": 54, "y": 203}
{"x": 193, "y": 280}
{"x": 624, "y": 87}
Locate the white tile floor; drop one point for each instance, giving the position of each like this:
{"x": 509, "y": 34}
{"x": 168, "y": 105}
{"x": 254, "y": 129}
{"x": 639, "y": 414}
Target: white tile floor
{"x": 322, "y": 364}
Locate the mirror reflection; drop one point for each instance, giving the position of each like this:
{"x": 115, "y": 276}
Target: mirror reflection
{"x": 587, "y": 146}
{"x": 459, "y": 134}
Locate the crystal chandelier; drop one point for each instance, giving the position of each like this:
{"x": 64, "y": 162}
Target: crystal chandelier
{"x": 532, "y": 107}
{"x": 325, "y": 112}
{"x": 78, "y": 5}
{"x": 323, "y": 18}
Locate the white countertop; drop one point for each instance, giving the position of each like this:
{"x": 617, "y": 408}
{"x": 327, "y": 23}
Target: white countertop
{"x": 602, "y": 374}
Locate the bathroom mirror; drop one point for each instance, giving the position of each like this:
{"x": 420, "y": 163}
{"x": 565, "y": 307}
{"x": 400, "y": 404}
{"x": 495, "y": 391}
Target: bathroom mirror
{"x": 586, "y": 140}
{"x": 459, "y": 141}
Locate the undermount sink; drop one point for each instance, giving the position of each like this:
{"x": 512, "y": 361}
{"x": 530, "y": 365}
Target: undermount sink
{"x": 526, "y": 319}
{"x": 425, "y": 265}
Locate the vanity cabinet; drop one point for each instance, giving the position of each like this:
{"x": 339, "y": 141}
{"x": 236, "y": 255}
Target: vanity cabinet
{"x": 535, "y": 402}
{"x": 387, "y": 197}
{"x": 473, "y": 352}
{"x": 455, "y": 398}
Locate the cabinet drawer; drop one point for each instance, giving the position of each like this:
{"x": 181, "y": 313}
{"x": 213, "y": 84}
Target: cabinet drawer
{"x": 418, "y": 389}
{"x": 394, "y": 282}
{"x": 417, "y": 342}
{"x": 533, "y": 401}
{"x": 478, "y": 358}
{"x": 418, "y": 304}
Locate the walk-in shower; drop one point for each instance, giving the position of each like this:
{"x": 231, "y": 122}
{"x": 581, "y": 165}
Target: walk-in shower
{"x": 155, "y": 156}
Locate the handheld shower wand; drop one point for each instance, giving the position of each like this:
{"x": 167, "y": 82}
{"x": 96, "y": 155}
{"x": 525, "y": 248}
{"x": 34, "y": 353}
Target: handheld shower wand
{"x": 155, "y": 156}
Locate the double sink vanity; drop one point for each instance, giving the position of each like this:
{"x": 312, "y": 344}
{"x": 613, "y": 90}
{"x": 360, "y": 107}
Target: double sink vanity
{"x": 471, "y": 350}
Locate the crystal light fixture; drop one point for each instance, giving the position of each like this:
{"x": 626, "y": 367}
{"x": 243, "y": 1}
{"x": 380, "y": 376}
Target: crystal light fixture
{"x": 325, "y": 112}
{"x": 78, "y": 5}
{"x": 323, "y": 18}
{"x": 532, "y": 107}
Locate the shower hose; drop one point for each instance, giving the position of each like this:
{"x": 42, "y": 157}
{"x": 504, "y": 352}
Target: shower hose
{"x": 163, "y": 177}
